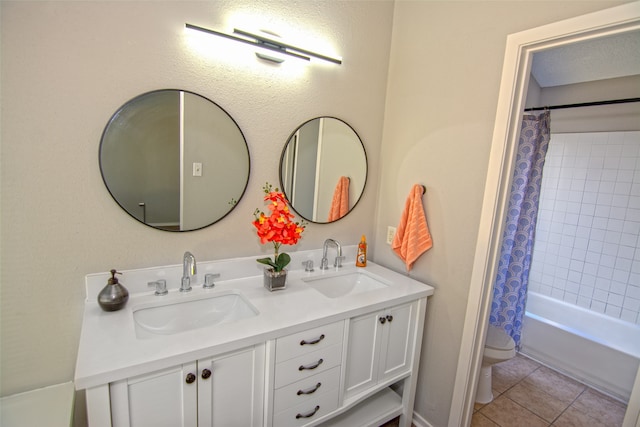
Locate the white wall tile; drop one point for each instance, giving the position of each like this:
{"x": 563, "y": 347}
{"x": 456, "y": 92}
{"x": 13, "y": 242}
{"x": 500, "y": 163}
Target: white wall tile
{"x": 620, "y": 200}
{"x": 629, "y": 315}
{"x": 628, "y": 163}
{"x": 623, "y": 265}
{"x": 584, "y": 302}
{"x": 625, "y": 175}
{"x": 598, "y": 306}
{"x": 631, "y": 227}
{"x": 619, "y": 287}
{"x": 633, "y": 215}
{"x": 613, "y": 310}
{"x": 633, "y": 292}
{"x": 589, "y": 223}
{"x": 589, "y": 270}
{"x": 615, "y": 299}
{"x": 626, "y": 252}
{"x": 587, "y": 284}
{"x": 590, "y": 197}
{"x": 620, "y": 276}
{"x": 631, "y": 304}
{"x": 618, "y": 213}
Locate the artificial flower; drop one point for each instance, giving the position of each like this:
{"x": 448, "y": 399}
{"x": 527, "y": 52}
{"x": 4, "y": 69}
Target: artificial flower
{"x": 278, "y": 227}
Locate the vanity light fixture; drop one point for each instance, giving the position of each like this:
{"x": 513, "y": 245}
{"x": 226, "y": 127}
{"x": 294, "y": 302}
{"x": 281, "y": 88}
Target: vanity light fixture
{"x": 269, "y": 44}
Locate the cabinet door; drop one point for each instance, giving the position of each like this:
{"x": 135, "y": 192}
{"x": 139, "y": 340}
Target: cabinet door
{"x": 231, "y": 389}
{"x": 397, "y": 340}
{"x": 361, "y": 367}
{"x": 165, "y": 398}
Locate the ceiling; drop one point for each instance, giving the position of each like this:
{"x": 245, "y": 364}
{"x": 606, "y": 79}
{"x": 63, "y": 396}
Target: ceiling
{"x": 601, "y": 58}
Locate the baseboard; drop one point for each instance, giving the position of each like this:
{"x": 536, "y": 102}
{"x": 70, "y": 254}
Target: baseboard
{"x": 418, "y": 421}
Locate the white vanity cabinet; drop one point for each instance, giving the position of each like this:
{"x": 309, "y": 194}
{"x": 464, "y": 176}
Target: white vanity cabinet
{"x": 380, "y": 347}
{"x": 221, "y": 391}
{"x": 306, "y": 378}
{"x": 306, "y": 358}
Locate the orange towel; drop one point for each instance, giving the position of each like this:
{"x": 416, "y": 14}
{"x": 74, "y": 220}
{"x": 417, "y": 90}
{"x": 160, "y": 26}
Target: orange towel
{"x": 412, "y": 237}
{"x": 340, "y": 202}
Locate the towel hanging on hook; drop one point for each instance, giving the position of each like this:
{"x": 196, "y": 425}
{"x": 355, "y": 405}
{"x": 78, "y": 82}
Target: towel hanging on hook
{"x": 412, "y": 237}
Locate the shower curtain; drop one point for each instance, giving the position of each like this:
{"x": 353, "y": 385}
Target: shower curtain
{"x": 510, "y": 288}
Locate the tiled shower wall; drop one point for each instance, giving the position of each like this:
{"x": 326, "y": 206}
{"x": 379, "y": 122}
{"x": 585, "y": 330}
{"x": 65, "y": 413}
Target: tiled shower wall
{"x": 586, "y": 249}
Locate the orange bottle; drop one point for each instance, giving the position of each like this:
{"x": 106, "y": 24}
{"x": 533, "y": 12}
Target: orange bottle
{"x": 361, "y": 257}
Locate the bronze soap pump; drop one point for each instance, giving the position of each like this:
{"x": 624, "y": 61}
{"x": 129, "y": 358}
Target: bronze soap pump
{"x": 114, "y": 296}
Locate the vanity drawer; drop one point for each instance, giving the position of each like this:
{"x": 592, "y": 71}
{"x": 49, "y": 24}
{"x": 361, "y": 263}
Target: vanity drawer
{"x": 308, "y": 411}
{"x": 307, "y": 341}
{"x": 306, "y": 390}
{"x": 307, "y": 365}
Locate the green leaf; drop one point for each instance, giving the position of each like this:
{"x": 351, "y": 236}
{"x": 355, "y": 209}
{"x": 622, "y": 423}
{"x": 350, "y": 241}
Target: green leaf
{"x": 282, "y": 260}
{"x": 268, "y": 261}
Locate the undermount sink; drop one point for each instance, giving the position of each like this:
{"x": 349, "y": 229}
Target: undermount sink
{"x": 344, "y": 284}
{"x": 175, "y": 316}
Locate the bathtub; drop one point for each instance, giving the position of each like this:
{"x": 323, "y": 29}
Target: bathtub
{"x": 597, "y": 350}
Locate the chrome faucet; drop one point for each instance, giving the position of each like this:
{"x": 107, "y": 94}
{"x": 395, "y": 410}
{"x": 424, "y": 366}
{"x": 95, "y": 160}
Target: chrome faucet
{"x": 324, "y": 264}
{"x": 188, "y": 271}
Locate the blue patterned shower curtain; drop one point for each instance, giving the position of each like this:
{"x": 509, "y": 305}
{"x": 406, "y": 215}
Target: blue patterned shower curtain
{"x": 510, "y": 289}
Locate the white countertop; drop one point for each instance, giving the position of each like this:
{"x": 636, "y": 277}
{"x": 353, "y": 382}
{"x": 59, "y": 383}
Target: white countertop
{"x": 109, "y": 349}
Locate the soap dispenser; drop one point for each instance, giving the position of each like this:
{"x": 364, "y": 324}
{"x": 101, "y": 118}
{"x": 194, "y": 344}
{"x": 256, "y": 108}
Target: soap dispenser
{"x": 361, "y": 256}
{"x": 114, "y": 296}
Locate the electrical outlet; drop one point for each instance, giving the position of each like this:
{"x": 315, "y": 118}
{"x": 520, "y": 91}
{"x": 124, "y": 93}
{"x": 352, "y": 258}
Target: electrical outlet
{"x": 391, "y": 232}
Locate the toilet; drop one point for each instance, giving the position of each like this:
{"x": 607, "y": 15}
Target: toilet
{"x": 498, "y": 347}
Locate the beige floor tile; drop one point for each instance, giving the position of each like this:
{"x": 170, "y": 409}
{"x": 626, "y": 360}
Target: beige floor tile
{"x": 507, "y": 413}
{"x": 520, "y": 365}
{"x": 480, "y": 420}
{"x": 600, "y": 407}
{"x": 555, "y": 384}
{"x": 527, "y": 394}
{"x": 537, "y": 401}
{"x": 477, "y": 406}
{"x": 574, "y": 418}
{"x": 503, "y": 379}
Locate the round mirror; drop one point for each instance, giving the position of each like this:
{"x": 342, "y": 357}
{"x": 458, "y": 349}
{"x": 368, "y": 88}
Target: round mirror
{"x": 174, "y": 160}
{"x": 323, "y": 169}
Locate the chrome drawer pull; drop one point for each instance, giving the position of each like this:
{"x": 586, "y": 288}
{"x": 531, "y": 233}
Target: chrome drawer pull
{"x": 309, "y": 415}
{"x": 314, "y": 366}
{"x": 316, "y": 341}
{"x": 310, "y": 391}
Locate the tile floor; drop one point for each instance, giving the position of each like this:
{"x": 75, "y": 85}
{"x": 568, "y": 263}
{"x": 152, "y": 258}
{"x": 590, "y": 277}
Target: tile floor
{"x": 529, "y": 394}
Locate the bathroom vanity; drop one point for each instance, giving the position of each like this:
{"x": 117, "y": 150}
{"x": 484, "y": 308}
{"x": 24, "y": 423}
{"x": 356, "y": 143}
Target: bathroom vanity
{"x": 336, "y": 347}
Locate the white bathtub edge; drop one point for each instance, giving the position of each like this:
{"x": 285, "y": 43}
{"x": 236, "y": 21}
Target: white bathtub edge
{"x": 559, "y": 352}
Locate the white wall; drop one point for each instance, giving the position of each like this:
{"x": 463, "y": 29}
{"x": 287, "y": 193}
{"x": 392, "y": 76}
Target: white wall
{"x": 67, "y": 66}
{"x": 618, "y": 117}
{"x": 446, "y": 62}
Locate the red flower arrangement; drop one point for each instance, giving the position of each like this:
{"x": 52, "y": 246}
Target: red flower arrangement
{"x": 278, "y": 228}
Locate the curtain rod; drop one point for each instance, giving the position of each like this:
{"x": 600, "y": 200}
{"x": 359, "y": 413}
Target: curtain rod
{"x": 584, "y": 104}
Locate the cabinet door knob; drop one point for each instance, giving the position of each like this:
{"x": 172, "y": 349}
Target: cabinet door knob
{"x": 310, "y": 367}
{"x": 190, "y": 378}
{"x": 206, "y": 374}
{"x": 310, "y": 414}
{"x": 382, "y": 319}
{"x": 389, "y": 318}
{"x": 315, "y": 341}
